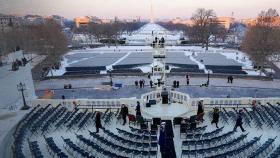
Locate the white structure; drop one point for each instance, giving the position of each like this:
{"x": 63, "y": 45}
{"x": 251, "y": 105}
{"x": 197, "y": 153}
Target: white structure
{"x": 146, "y": 34}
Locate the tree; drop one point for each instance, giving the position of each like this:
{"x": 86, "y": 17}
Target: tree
{"x": 263, "y": 39}
{"x": 204, "y": 25}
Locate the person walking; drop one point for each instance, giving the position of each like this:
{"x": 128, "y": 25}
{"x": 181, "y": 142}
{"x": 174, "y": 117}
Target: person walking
{"x": 239, "y": 121}
{"x": 216, "y": 116}
{"x": 98, "y": 122}
{"x": 140, "y": 83}
{"x": 124, "y": 113}
{"x": 200, "y": 111}
{"x": 138, "y": 109}
{"x": 136, "y": 84}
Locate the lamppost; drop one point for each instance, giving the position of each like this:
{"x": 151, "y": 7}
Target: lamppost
{"x": 111, "y": 78}
{"x": 208, "y": 78}
{"x": 21, "y": 88}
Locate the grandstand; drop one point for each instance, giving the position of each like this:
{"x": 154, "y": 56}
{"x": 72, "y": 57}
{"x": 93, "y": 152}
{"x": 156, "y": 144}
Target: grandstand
{"x": 51, "y": 130}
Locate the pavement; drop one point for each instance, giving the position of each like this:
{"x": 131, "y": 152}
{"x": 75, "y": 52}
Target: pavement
{"x": 219, "y": 88}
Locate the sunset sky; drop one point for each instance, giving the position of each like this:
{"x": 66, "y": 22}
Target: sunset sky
{"x": 163, "y": 9}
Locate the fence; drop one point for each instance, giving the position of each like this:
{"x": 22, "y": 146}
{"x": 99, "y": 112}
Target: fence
{"x": 174, "y": 96}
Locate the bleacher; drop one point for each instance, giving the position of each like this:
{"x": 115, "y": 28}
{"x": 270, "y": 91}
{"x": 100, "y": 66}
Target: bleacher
{"x": 186, "y": 70}
{"x": 54, "y": 131}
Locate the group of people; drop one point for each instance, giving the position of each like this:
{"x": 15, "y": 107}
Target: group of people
{"x": 17, "y": 63}
{"x": 216, "y": 116}
{"x": 160, "y": 41}
{"x": 141, "y": 83}
{"x": 238, "y": 122}
{"x": 230, "y": 79}
{"x": 176, "y": 84}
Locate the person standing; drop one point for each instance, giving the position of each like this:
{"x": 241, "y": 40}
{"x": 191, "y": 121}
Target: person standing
{"x": 140, "y": 83}
{"x": 239, "y": 121}
{"x": 174, "y": 84}
{"x": 124, "y": 113}
{"x": 216, "y": 116}
{"x": 200, "y": 108}
{"x": 136, "y": 84}
{"x": 162, "y": 140}
{"x": 138, "y": 109}
{"x": 151, "y": 83}
{"x": 177, "y": 84}
{"x": 98, "y": 122}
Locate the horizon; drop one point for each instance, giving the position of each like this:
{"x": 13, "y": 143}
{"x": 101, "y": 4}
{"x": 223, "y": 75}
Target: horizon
{"x": 131, "y": 9}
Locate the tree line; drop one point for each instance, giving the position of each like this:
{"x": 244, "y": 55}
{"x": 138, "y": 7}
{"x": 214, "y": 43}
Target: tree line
{"x": 43, "y": 39}
{"x": 262, "y": 40}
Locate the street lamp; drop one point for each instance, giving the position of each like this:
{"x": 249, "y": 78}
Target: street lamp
{"x": 21, "y": 88}
{"x": 208, "y": 78}
{"x": 111, "y": 78}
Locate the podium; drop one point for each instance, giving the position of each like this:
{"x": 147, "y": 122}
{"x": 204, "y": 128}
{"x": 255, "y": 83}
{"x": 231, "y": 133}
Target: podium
{"x": 164, "y": 97}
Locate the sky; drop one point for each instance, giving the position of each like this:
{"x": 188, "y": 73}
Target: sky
{"x": 128, "y": 9}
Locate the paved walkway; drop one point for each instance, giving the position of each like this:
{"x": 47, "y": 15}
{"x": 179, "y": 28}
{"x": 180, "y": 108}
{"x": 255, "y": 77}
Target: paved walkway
{"x": 129, "y": 80}
{"x": 219, "y": 88}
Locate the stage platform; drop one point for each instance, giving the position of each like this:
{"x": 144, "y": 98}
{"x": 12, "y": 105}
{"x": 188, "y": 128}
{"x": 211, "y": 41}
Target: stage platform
{"x": 168, "y": 111}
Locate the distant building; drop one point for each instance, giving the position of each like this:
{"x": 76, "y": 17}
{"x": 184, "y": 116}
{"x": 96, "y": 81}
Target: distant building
{"x": 59, "y": 19}
{"x": 85, "y": 20}
{"x": 7, "y": 22}
{"x": 34, "y": 19}
{"x": 225, "y": 21}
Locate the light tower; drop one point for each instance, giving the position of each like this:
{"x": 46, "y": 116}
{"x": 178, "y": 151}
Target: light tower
{"x": 159, "y": 61}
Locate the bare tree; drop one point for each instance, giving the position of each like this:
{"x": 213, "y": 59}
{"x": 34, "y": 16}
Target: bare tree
{"x": 263, "y": 39}
{"x": 204, "y": 25}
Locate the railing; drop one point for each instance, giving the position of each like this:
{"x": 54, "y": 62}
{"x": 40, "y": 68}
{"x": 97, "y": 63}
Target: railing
{"x": 174, "y": 96}
{"x": 233, "y": 102}
{"x": 87, "y": 103}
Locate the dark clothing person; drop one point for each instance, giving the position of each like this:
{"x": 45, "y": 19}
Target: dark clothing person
{"x": 138, "y": 109}
{"x": 200, "y": 108}
{"x": 63, "y": 97}
{"x": 124, "y": 113}
{"x": 215, "y": 117}
{"x": 136, "y": 83}
{"x": 188, "y": 81}
{"x": 98, "y": 122}
{"x": 231, "y": 79}
{"x": 140, "y": 83}
{"x": 228, "y": 79}
{"x": 151, "y": 84}
{"x": 239, "y": 122}
{"x": 174, "y": 84}
{"x": 177, "y": 84}
{"x": 149, "y": 76}
{"x": 162, "y": 140}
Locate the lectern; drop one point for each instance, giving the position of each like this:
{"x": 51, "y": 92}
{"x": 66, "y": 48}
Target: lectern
{"x": 164, "y": 97}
